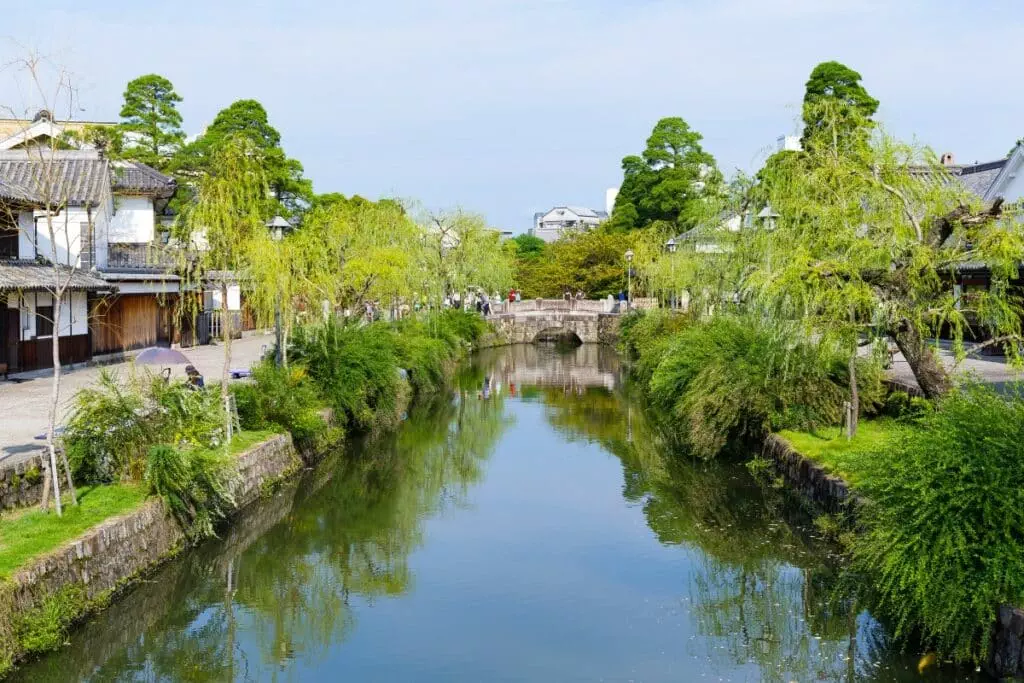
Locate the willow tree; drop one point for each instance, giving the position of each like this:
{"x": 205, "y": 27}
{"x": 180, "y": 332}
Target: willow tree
{"x": 349, "y": 254}
{"x": 462, "y": 252}
{"x": 703, "y": 268}
{"x": 869, "y": 236}
{"x": 225, "y": 228}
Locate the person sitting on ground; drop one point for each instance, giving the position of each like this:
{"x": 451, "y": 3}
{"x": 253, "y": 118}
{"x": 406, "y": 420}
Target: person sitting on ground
{"x": 579, "y": 294}
{"x": 194, "y": 378}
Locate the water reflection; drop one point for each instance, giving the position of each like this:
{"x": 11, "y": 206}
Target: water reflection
{"x": 530, "y": 525}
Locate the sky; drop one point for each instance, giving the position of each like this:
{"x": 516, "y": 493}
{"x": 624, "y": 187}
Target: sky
{"x": 507, "y": 107}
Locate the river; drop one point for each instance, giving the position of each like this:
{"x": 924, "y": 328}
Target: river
{"x": 530, "y": 526}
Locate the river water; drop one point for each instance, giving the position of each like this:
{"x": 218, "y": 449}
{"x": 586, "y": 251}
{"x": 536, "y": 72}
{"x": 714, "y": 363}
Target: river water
{"x": 530, "y": 526}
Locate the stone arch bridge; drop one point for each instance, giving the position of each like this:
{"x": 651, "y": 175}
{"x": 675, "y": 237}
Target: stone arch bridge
{"x": 590, "y": 322}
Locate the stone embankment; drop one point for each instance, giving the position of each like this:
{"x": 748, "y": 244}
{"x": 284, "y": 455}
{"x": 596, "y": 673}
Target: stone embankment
{"x": 84, "y": 573}
{"x": 833, "y": 495}
{"x": 21, "y": 484}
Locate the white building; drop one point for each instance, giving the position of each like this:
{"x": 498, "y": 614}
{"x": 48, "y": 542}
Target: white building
{"x": 123, "y": 291}
{"x": 559, "y": 220}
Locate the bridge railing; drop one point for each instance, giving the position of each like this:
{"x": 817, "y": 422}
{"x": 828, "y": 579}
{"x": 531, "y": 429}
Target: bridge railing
{"x": 572, "y": 305}
{"x": 559, "y": 305}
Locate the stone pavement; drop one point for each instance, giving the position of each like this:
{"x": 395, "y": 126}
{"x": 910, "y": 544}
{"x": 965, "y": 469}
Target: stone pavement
{"x": 24, "y": 406}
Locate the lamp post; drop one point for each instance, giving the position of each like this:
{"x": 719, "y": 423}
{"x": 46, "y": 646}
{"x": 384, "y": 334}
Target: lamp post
{"x": 629, "y": 278}
{"x": 277, "y": 226}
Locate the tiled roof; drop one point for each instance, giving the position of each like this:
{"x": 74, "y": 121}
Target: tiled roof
{"x": 134, "y": 177}
{"x": 978, "y": 178}
{"x": 18, "y": 275}
{"x": 75, "y": 177}
{"x": 12, "y": 192}
{"x": 975, "y": 178}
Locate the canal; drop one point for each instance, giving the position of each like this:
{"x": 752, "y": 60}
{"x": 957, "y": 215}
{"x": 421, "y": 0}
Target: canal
{"x": 530, "y": 526}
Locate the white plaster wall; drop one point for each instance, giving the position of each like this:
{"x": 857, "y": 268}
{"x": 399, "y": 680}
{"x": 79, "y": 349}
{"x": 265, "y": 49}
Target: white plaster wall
{"x": 26, "y": 235}
{"x": 28, "y": 316}
{"x": 74, "y": 313}
{"x": 234, "y": 298}
{"x": 143, "y": 287}
{"x": 67, "y": 235}
{"x": 132, "y": 221}
{"x": 1015, "y": 188}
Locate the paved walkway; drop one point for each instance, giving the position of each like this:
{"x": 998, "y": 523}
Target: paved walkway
{"x": 989, "y": 369}
{"x": 24, "y": 406}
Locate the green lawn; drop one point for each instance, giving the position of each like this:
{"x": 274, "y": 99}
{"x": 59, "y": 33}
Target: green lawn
{"x": 244, "y": 440}
{"x": 26, "y": 534}
{"x": 830, "y": 447}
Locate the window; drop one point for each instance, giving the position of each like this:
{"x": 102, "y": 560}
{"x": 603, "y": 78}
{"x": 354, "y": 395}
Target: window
{"x": 8, "y": 237}
{"x": 44, "y": 321}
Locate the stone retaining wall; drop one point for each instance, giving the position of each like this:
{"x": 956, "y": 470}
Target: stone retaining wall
{"x": 119, "y": 550}
{"x": 21, "y": 484}
{"x": 833, "y": 494}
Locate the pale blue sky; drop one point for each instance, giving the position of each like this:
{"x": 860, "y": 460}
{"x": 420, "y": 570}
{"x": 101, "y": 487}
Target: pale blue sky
{"x": 507, "y": 107}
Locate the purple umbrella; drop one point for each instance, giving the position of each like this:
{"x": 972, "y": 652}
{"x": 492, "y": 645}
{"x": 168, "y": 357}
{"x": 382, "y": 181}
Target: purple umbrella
{"x": 159, "y": 355}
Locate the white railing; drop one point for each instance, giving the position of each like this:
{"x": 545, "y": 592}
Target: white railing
{"x": 559, "y": 305}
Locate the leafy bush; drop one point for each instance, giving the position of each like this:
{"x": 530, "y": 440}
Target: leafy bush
{"x": 114, "y": 423}
{"x": 646, "y": 337}
{"x": 425, "y": 358}
{"x": 743, "y": 376}
{"x": 284, "y": 398}
{"x": 900, "y": 405}
{"x": 195, "y": 484}
{"x": 105, "y": 436}
{"x": 942, "y": 534}
{"x": 355, "y": 369}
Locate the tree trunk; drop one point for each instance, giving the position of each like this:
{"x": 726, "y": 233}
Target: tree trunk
{"x": 54, "y": 401}
{"x": 928, "y": 370}
{"x": 851, "y": 425}
{"x": 226, "y": 333}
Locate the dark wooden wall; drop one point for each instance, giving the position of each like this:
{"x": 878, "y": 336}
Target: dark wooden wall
{"x": 126, "y": 322}
{"x": 38, "y": 353}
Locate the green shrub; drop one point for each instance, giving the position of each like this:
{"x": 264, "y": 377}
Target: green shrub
{"x": 458, "y": 324}
{"x": 941, "y": 541}
{"x": 195, "y": 485}
{"x": 743, "y": 376}
{"x": 281, "y": 397}
{"x": 902, "y": 406}
{"x": 113, "y": 424}
{"x": 425, "y": 358}
{"x": 355, "y": 369}
{"x": 646, "y": 337}
{"x": 105, "y": 436}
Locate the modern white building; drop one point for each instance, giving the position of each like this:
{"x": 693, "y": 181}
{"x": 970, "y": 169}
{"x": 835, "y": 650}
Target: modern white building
{"x": 559, "y": 220}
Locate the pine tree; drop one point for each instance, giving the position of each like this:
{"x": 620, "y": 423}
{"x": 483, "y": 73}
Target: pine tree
{"x": 152, "y": 121}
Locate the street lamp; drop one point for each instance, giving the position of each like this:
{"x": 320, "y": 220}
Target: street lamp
{"x": 277, "y": 226}
{"x": 629, "y": 278}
